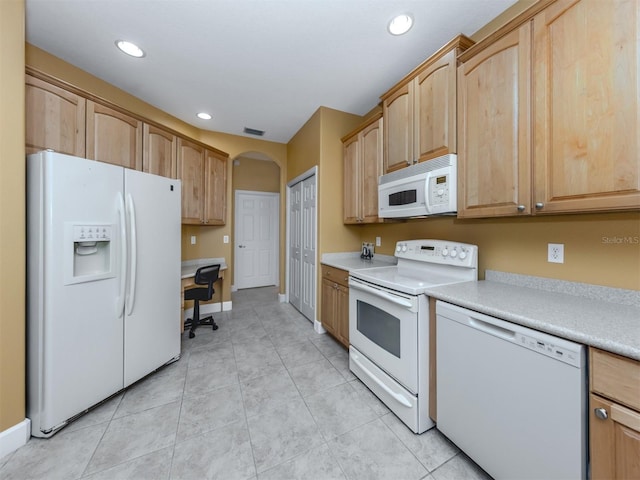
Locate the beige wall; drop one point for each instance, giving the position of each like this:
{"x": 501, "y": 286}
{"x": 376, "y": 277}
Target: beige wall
{"x": 256, "y": 175}
{"x": 519, "y": 245}
{"x": 332, "y": 234}
{"x": 12, "y": 215}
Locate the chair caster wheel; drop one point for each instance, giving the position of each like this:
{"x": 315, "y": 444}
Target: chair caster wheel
{"x": 214, "y": 326}
{"x": 191, "y": 334}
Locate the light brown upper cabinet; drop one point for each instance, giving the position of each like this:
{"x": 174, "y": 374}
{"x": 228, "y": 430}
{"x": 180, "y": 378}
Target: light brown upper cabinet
{"x": 159, "y": 154}
{"x": 573, "y": 63}
{"x": 494, "y": 154}
{"x": 420, "y": 111}
{"x": 113, "y": 137}
{"x": 190, "y": 171}
{"x": 585, "y": 94}
{"x": 55, "y": 118}
{"x": 215, "y": 188}
{"x": 362, "y": 156}
{"x": 204, "y": 178}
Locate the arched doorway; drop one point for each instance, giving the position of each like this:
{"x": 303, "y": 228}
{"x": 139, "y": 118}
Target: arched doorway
{"x": 256, "y": 213}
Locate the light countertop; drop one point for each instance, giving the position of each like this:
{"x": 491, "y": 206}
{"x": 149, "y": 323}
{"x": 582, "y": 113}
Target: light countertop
{"x": 189, "y": 267}
{"x": 609, "y": 325}
{"x": 352, "y": 261}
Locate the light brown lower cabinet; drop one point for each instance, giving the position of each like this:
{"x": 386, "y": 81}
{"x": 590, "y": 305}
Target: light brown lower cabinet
{"x": 335, "y": 303}
{"x": 614, "y": 416}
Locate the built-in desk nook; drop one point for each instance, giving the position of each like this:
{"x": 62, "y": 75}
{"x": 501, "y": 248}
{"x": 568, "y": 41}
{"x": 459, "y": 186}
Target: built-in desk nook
{"x": 188, "y": 274}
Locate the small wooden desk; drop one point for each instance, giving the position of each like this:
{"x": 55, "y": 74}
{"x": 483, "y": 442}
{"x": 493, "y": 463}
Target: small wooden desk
{"x": 188, "y": 281}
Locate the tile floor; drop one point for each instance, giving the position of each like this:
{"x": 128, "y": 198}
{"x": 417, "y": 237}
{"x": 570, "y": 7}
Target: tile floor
{"x": 263, "y": 397}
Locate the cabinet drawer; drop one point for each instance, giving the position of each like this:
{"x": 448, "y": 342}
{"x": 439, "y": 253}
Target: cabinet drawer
{"x": 336, "y": 275}
{"x": 615, "y": 377}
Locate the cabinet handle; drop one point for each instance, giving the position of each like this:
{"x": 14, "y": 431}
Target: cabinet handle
{"x": 600, "y": 413}
{"x": 521, "y": 208}
{"x": 539, "y": 205}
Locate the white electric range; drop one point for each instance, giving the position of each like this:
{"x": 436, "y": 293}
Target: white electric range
{"x": 389, "y": 322}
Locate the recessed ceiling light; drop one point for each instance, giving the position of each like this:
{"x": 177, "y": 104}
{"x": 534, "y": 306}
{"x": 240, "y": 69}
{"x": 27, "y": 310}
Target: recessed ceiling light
{"x": 130, "y": 48}
{"x": 400, "y": 24}
{"x": 204, "y": 116}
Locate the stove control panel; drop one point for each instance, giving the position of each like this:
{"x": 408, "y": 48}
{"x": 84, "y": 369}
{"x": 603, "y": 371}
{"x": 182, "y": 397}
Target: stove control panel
{"x": 438, "y": 251}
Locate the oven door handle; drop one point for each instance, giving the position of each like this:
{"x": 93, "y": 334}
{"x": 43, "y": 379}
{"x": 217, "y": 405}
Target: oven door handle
{"x": 403, "y": 302}
{"x": 396, "y": 396}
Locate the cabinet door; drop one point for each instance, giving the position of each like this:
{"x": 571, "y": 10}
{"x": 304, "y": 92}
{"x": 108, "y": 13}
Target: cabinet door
{"x": 435, "y": 109}
{"x": 329, "y": 315}
{"x": 371, "y": 169}
{"x": 351, "y": 155}
{"x": 113, "y": 137}
{"x": 398, "y": 133}
{"x": 159, "y": 152}
{"x": 342, "y": 312}
{"x": 54, "y": 118}
{"x": 190, "y": 171}
{"x": 586, "y": 91}
{"x": 494, "y": 147}
{"x": 614, "y": 440}
{"x": 215, "y": 190}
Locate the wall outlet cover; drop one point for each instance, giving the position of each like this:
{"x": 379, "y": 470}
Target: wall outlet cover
{"x": 193, "y": 239}
{"x": 555, "y": 253}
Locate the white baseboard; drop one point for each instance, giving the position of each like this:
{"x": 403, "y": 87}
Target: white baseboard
{"x": 209, "y": 308}
{"x": 13, "y": 438}
{"x": 282, "y": 298}
{"x": 317, "y": 326}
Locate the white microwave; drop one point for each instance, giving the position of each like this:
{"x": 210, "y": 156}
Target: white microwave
{"x": 427, "y": 188}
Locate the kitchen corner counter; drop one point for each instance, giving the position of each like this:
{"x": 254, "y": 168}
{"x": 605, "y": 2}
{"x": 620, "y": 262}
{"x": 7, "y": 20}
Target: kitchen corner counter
{"x": 351, "y": 261}
{"x": 614, "y": 327}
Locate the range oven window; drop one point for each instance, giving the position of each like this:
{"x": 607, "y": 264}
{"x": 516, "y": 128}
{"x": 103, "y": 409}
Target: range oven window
{"x": 379, "y": 327}
{"x": 406, "y": 197}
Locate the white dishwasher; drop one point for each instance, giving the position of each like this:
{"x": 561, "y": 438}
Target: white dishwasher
{"x": 512, "y": 398}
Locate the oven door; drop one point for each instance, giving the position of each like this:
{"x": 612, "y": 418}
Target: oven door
{"x": 383, "y": 326}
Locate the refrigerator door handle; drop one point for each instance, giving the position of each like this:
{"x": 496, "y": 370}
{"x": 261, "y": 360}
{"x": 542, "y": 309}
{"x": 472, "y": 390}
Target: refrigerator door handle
{"x": 131, "y": 297}
{"x": 123, "y": 256}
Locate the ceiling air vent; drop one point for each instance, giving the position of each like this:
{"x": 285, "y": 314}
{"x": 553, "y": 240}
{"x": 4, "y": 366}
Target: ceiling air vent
{"x": 253, "y": 131}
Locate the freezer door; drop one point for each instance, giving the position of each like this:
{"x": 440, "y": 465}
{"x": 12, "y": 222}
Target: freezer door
{"x": 152, "y": 309}
{"x": 74, "y": 333}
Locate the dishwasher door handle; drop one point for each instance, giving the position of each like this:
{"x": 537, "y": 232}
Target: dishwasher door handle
{"x": 492, "y": 329}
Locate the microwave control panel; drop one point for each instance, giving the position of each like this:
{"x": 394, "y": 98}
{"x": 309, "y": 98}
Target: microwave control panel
{"x": 438, "y": 189}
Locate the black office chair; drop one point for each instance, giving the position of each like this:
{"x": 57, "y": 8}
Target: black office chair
{"x": 204, "y": 276}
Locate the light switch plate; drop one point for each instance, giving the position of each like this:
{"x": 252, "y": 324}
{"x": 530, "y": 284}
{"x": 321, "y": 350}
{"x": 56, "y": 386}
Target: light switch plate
{"x": 225, "y": 239}
{"x": 193, "y": 239}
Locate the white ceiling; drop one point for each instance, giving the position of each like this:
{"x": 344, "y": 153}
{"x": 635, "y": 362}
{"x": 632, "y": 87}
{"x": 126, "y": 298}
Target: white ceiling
{"x": 263, "y": 64}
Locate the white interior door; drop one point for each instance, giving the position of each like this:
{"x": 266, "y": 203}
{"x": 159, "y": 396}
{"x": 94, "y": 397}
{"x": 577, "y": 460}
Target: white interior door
{"x": 301, "y": 208}
{"x": 295, "y": 244}
{"x": 308, "y": 300}
{"x": 256, "y": 239}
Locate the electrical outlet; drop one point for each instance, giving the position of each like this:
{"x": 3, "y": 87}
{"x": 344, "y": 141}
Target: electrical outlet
{"x": 225, "y": 239}
{"x": 193, "y": 239}
{"x": 555, "y": 253}
{"x": 378, "y": 241}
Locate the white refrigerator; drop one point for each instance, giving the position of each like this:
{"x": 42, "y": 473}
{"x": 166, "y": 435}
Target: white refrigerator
{"x": 103, "y": 282}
